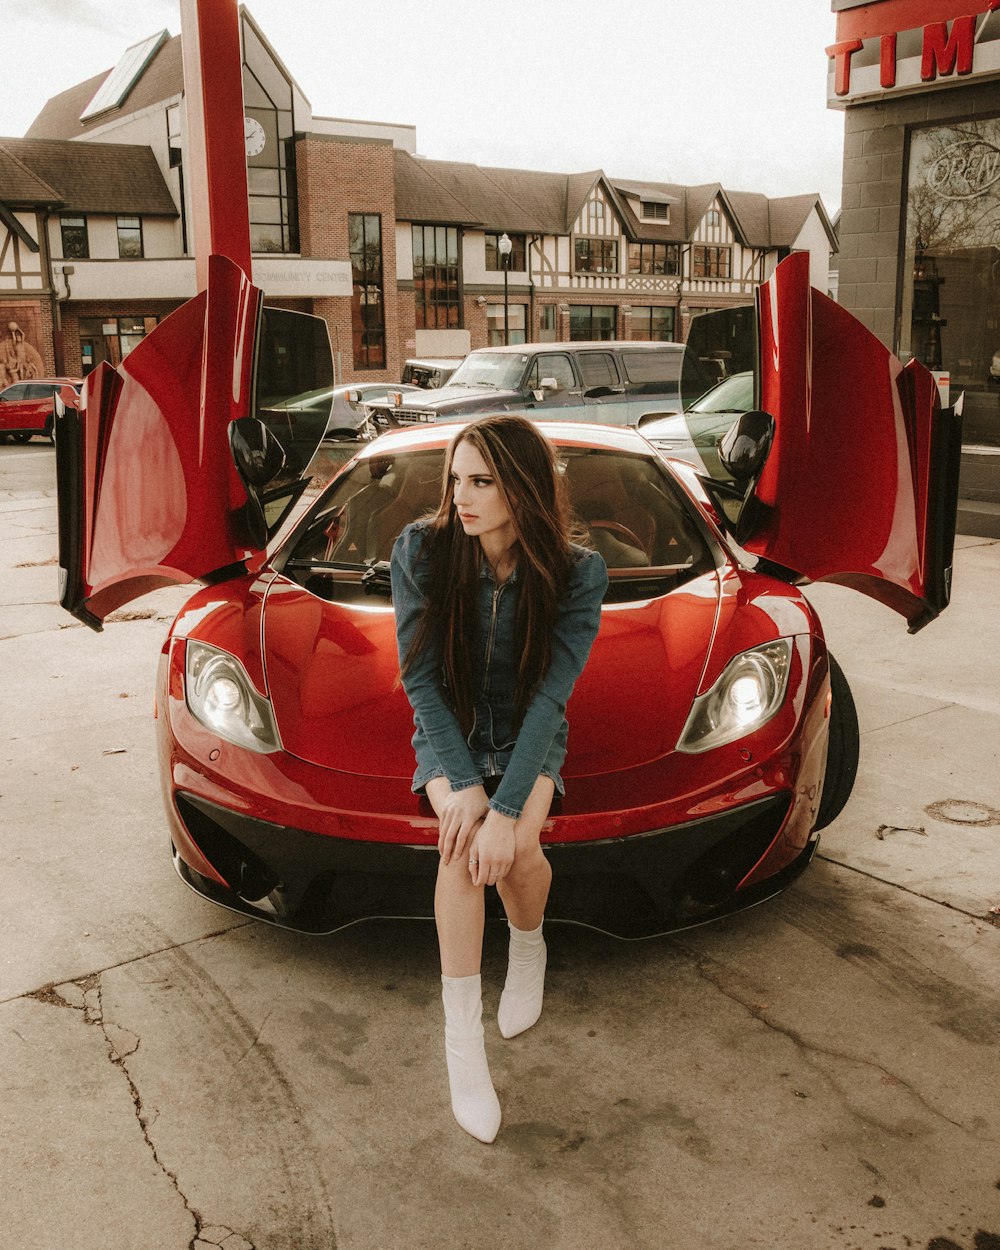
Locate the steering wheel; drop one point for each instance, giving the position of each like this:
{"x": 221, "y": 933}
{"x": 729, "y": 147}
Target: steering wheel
{"x": 629, "y": 537}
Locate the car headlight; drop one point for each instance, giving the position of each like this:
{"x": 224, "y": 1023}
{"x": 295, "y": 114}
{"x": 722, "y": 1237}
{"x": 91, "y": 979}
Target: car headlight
{"x": 749, "y": 691}
{"x": 221, "y": 696}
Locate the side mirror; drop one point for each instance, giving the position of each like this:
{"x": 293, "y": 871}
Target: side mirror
{"x": 548, "y": 384}
{"x": 744, "y": 448}
{"x": 258, "y": 455}
{"x": 259, "y": 458}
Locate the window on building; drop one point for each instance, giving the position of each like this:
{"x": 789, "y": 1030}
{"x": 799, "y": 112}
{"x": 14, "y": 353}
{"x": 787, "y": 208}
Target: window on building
{"x": 596, "y": 255}
{"x": 654, "y": 210}
{"x": 710, "y": 262}
{"x": 364, "y": 232}
{"x": 271, "y": 175}
{"x": 712, "y": 217}
{"x": 518, "y": 253}
{"x": 547, "y": 323}
{"x": 129, "y": 238}
{"x": 75, "y": 244}
{"x": 592, "y": 321}
{"x": 653, "y": 325}
{"x": 436, "y": 277}
{"x": 517, "y": 321}
{"x": 651, "y": 258}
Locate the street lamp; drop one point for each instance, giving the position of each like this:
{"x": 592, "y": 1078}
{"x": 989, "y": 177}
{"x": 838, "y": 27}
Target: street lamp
{"x": 505, "y": 247}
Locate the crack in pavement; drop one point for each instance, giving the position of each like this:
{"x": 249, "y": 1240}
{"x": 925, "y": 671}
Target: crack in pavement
{"x": 91, "y": 1006}
{"x": 898, "y": 885}
{"x": 49, "y": 993}
{"x": 810, "y": 1050}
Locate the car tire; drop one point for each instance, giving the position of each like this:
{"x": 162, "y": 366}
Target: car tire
{"x": 21, "y": 438}
{"x": 50, "y": 431}
{"x": 843, "y": 752}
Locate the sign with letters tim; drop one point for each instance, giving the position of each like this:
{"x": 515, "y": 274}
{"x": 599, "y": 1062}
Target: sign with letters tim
{"x": 896, "y": 47}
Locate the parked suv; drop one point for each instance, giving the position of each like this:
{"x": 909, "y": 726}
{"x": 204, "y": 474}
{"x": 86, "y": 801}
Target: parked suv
{"x": 27, "y": 408}
{"x": 613, "y": 383}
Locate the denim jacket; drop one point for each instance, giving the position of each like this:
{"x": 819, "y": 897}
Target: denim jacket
{"x": 492, "y": 747}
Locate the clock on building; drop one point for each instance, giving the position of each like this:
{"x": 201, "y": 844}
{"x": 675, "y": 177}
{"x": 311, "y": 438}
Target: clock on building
{"x": 253, "y": 136}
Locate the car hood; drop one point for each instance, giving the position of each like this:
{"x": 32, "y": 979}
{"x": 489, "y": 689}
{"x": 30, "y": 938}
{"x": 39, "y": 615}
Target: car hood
{"x": 446, "y": 397}
{"x": 332, "y": 678}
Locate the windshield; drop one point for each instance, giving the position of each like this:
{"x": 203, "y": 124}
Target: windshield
{"x": 501, "y": 370}
{"x": 735, "y": 394}
{"x": 628, "y": 506}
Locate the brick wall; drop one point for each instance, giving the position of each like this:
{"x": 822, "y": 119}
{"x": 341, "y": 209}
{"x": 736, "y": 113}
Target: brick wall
{"x": 871, "y": 225}
{"x": 337, "y": 177}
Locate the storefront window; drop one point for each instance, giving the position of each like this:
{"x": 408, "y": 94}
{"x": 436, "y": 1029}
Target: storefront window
{"x": 547, "y": 323}
{"x": 517, "y": 319}
{"x": 592, "y": 321}
{"x": 111, "y": 338}
{"x": 951, "y": 272}
{"x": 652, "y": 325}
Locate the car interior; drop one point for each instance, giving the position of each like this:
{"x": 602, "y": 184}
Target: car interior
{"x": 626, "y": 506}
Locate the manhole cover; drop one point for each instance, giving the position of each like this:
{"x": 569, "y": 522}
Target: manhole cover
{"x": 963, "y": 812}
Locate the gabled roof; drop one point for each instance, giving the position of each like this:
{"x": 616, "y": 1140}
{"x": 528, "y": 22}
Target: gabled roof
{"x": 88, "y": 177}
{"x": 162, "y": 79}
{"x": 673, "y": 231}
{"x": 789, "y": 214}
{"x": 18, "y": 185}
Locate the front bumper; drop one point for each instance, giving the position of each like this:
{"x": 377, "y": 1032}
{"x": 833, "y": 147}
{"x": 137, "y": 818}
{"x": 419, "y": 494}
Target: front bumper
{"x": 629, "y": 887}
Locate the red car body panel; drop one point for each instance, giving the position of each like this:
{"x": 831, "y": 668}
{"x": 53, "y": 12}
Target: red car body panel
{"x": 161, "y": 496}
{"x": 852, "y": 482}
{"x": 606, "y": 798}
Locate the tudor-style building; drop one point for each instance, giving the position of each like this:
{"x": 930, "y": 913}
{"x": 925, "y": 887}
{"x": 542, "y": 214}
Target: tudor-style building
{"x": 399, "y": 253}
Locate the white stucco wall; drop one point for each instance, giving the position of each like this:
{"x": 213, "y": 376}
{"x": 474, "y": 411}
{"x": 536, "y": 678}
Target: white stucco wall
{"x": 813, "y": 239}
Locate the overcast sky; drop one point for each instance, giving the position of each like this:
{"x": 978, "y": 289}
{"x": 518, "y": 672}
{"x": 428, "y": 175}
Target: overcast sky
{"x": 688, "y": 91}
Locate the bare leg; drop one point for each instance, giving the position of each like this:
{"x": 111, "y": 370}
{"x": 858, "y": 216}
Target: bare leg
{"x": 525, "y": 889}
{"x": 458, "y": 905}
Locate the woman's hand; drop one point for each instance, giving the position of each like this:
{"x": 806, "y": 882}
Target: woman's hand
{"x": 492, "y": 851}
{"x": 460, "y": 814}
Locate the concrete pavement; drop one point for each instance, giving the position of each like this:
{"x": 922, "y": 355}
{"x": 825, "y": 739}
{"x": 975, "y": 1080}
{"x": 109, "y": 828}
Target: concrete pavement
{"x": 818, "y": 1074}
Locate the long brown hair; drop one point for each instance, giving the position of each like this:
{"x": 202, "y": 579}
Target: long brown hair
{"x": 522, "y": 462}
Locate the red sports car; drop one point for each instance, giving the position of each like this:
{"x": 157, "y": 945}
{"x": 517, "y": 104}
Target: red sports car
{"x": 711, "y": 735}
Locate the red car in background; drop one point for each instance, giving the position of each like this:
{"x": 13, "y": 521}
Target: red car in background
{"x": 28, "y": 408}
{"x": 711, "y": 735}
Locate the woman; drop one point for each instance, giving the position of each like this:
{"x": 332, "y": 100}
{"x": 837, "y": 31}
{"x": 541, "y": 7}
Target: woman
{"x": 496, "y": 611}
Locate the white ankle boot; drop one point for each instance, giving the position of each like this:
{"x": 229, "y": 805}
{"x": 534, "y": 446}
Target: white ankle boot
{"x": 473, "y": 1098}
{"x": 521, "y": 1000}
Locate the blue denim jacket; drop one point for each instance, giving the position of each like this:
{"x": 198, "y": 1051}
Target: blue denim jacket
{"x": 492, "y": 748}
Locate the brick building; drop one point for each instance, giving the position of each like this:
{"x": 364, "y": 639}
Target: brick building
{"x": 403, "y": 256}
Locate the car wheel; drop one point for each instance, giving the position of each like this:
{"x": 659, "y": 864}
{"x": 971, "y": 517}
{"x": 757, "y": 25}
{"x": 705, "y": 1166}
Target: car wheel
{"x": 843, "y": 752}
{"x": 50, "y": 431}
{"x": 21, "y": 438}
